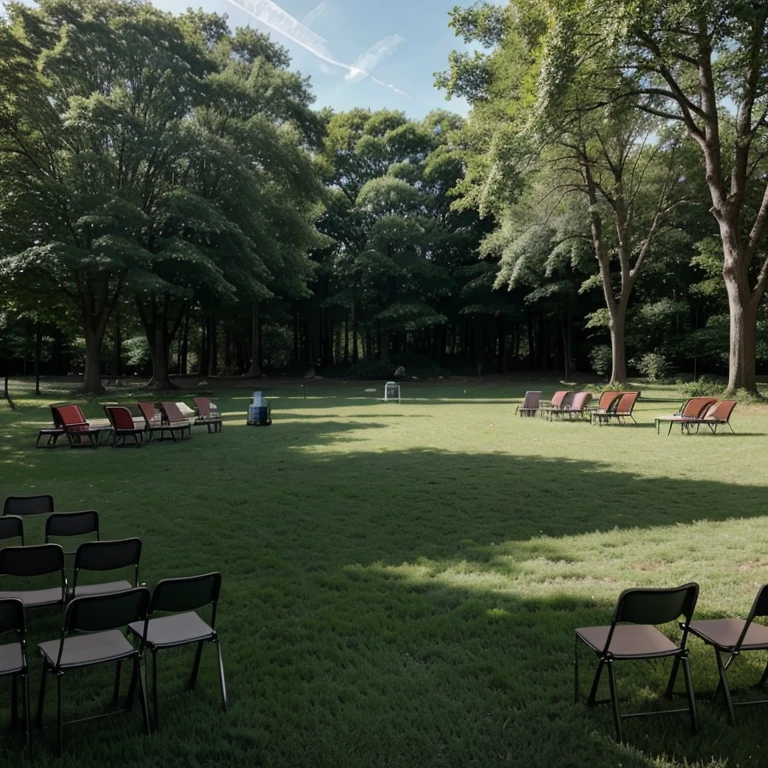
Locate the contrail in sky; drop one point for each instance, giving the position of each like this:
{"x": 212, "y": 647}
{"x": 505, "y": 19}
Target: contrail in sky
{"x": 273, "y": 16}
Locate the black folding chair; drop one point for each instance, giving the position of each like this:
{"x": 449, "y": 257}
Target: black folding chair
{"x": 182, "y": 597}
{"x": 34, "y": 561}
{"x": 639, "y": 638}
{"x": 106, "y": 556}
{"x": 28, "y": 505}
{"x": 13, "y": 661}
{"x": 67, "y": 524}
{"x": 11, "y": 527}
{"x": 732, "y": 637}
{"x": 91, "y": 635}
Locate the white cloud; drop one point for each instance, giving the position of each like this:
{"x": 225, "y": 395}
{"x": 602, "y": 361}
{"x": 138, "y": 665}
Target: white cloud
{"x": 316, "y": 12}
{"x": 273, "y": 16}
{"x": 366, "y": 63}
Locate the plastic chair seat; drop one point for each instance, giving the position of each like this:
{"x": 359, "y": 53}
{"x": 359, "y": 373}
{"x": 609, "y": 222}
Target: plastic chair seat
{"x": 629, "y": 641}
{"x": 725, "y": 633}
{"x": 33, "y": 598}
{"x": 11, "y": 659}
{"x": 84, "y": 650}
{"x": 107, "y": 588}
{"x": 179, "y": 629}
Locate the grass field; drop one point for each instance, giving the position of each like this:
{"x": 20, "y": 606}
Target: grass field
{"x": 402, "y": 582}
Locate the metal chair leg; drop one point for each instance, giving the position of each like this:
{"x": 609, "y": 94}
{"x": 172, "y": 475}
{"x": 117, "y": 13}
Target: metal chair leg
{"x": 143, "y": 695}
{"x": 576, "y": 670}
{"x": 196, "y": 666}
{"x": 726, "y": 689}
{"x": 41, "y": 697}
{"x": 690, "y": 694}
{"x": 221, "y": 678}
{"x": 116, "y": 692}
{"x": 672, "y": 678}
{"x": 614, "y": 701}
{"x": 761, "y": 683}
{"x": 59, "y": 717}
{"x": 14, "y": 702}
{"x": 27, "y": 714}
{"x": 595, "y": 682}
{"x": 154, "y": 689}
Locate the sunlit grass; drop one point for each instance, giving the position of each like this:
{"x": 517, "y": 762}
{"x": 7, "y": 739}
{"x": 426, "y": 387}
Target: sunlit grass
{"x": 401, "y": 582}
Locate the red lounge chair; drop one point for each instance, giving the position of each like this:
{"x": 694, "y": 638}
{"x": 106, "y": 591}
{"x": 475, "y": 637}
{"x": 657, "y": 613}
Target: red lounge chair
{"x": 605, "y": 406}
{"x": 718, "y": 414}
{"x": 625, "y": 404}
{"x": 79, "y": 432}
{"x": 123, "y": 425}
{"x": 559, "y": 404}
{"x": 174, "y": 421}
{"x": 207, "y": 414}
{"x": 579, "y": 405}
{"x": 692, "y": 412}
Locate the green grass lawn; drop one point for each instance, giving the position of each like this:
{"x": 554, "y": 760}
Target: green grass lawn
{"x": 401, "y": 582}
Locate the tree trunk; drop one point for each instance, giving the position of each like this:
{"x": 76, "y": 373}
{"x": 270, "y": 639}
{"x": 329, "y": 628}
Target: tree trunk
{"x": 743, "y": 337}
{"x": 160, "y": 350}
{"x": 202, "y": 360}
{"x": 213, "y": 351}
{"x": 94, "y": 337}
{"x": 38, "y": 351}
{"x": 254, "y": 372}
{"x": 618, "y": 346}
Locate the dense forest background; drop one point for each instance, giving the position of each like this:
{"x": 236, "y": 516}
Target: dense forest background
{"x": 171, "y": 203}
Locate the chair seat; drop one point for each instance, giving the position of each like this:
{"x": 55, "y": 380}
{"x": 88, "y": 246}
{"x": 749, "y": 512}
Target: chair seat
{"x": 11, "y": 659}
{"x": 629, "y": 640}
{"x": 33, "y": 598}
{"x": 724, "y": 633}
{"x": 82, "y": 650}
{"x": 179, "y": 629}
{"x": 101, "y": 589}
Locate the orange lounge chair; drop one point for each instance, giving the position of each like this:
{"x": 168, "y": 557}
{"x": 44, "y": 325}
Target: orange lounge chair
{"x": 80, "y": 433}
{"x": 718, "y": 414}
{"x": 173, "y": 421}
{"x": 623, "y": 407}
{"x": 207, "y": 414}
{"x": 605, "y": 405}
{"x": 123, "y": 425}
{"x": 692, "y": 412}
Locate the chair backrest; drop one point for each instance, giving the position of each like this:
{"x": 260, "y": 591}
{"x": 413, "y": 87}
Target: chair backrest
{"x": 580, "y": 401}
{"x": 119, "y": 416}
{"x": 97, "y": 613}
{"x": 607, "y": 400}
{"x": 72, "y": 524}
{"x": 657, "y": 606}
{"x": 36, "y": 560}
{"x": 148, "y": 411}
{"x": 11, "y": 527}
{"x": 108, "y": 555}
{"x": 28, "y": 505}
{"x": 559, "y": 398}
{"x": 721, "y": 411}
{"x": 531, "y": 400}
{"x": 12, "y": 616}
{"x": 626, "y": 403}
{"x": 187, "y": 594}
{"x": 70, "y": 415}
{"x": 697, "y": 406}
{"x": 172, "y": 412}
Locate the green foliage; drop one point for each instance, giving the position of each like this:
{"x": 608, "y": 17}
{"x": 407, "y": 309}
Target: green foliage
{"x": 653, "y": 365}
{"x": 371, "y": 369}
{"x": 600, "y": 359}
{"x": 704, "y": 386}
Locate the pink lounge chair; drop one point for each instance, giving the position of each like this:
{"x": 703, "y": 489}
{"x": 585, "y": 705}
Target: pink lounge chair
{"x": 530, "y": 404}
{"x": 579, "y": 405}
{"x": 692, "y": 412}
{"x": 560, "y": 403}
{"x": 207, "y": 414}
{"x": 174, "y": 421}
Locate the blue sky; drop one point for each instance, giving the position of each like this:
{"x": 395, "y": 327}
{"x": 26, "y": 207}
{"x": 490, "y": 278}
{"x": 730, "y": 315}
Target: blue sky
{"x": 358, "y": 53}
